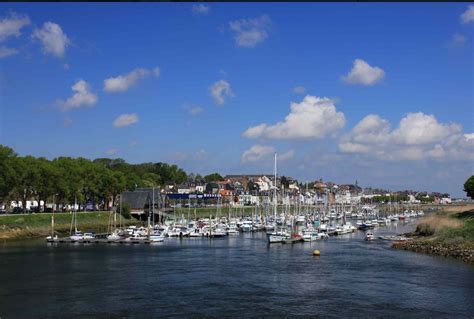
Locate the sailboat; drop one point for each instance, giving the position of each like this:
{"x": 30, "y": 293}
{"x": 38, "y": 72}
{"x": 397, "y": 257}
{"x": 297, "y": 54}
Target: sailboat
{"x": 276, "y": 236}
{"x": 52, "y": 238}
{"x": 114, "y": 235}
{"x": 155, "y": 235}
{"x": 77, "y": 236}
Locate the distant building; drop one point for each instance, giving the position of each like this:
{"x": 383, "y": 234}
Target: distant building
{"x": 141, "y": 200}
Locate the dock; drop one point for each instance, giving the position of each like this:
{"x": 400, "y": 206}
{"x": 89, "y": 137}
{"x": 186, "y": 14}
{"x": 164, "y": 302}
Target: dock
{"x": 67, "y": 240}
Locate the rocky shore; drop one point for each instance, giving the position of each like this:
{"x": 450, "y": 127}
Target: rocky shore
{"x": 465, "y": 254}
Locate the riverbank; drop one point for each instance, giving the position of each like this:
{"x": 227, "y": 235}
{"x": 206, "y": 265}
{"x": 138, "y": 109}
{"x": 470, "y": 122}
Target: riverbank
{"x": 449, "y": 233}
{"x": 39, "y": 225}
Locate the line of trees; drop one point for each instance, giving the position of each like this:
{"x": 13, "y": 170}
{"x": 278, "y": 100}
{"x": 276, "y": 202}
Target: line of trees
{"x": 69, "y": 179}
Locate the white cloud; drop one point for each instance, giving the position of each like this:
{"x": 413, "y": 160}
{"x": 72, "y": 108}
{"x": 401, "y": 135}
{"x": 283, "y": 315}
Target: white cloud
{"x": 350, "y": 147}
{"x": 314, "y": 117}
{"x": 249, "y": 32}
{"x": 259, "y": 153}
{"x": 12, "y": 25}
{"x": 122, "y": 83}
{"x": 299, "y": 89}
{"x": 372, "y": 129}
{"x": 364, "y": 74}
{"x": 200, "y": 9}
{"x": 419, "y": 128}
{"x": 81, "y": 97}
{"x": 6, "y": 52}
{"x": 418, "y": 136}
{"x": 220, "y": 90}
{"x": 286, "y": 156}
{"x": 468, "y": 15}
{"x": 133, "y": 144}
{"x": 469, "y": 136}
{"x": 126, "y": 120}
{"x": 54, "y": 40}
{"x": 194, "y": 110}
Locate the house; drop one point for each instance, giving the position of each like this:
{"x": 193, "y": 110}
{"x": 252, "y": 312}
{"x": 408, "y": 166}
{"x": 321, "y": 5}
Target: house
{"x": 183, "y": 189}
{"x": 212, "y": 188}
{"x": 141, "y": 200}
{"x": 138, "y": 201}
{"x": 199, "y": 188}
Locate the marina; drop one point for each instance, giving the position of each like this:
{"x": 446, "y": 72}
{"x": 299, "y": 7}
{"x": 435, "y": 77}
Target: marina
{"x": 230, "y": 275}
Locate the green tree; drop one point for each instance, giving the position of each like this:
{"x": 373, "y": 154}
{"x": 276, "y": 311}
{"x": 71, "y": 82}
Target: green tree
{"x": 213, "y": 177}
{"x": 469, "y": 187}
{"x": 45, "y": 181}
{"x": 7, "y": 173}
{"x": 151, "y": 180}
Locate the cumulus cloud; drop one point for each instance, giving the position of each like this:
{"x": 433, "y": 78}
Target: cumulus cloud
{"x": 468, "y": 15}
{"x": 122, "y": 83}
{"x": 469, "y": 136}
{"x": 418, "y": 136}
{"x": 258, "y": 153}
{"x": 126, "y": 120}
{"x": 201, "y": 9}
{"x": 364, "y": 74}
{"x": 82, "y": 97}
{"x": 249, "y": 32}
{"x": 220, "y": 90}
{"x": 420, "y": 128}
{"x": 314, "y": 117}
{"x": 299, "y": 89}
{"x": 6, "y": 52}
{"x": 12, "y": 25}
{"x": 53, "y": 39}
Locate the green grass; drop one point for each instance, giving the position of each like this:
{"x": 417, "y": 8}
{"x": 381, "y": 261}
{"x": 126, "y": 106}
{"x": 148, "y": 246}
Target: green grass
{"x": 463, "y": 234}
{"x": 37, "y": 225}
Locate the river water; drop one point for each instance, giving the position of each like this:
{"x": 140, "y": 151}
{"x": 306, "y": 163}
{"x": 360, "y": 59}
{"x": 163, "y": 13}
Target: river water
{"x": 238, "y": 276}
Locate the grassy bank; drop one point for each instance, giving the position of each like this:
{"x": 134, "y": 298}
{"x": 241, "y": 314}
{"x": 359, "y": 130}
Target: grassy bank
{"x": 449, "y": 233}
{"x": 39, "y": 225}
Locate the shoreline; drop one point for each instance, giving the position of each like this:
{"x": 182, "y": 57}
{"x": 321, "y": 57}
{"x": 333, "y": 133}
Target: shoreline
{"x": 34, "y": 226}
{"x": 449, "y": 233}
{"x": 436, "y": 248}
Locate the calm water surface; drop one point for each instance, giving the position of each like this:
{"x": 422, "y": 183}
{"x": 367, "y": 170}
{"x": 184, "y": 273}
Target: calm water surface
{"x": 239, "y": 276}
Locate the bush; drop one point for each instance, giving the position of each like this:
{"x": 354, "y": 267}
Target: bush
{"x": 424, "y": 230}
{"x": 125, "y": 210}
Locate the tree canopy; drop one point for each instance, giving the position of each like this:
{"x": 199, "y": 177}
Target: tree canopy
{"x": 79, "y": 180}
{"x": 469, "y": 187}
{"x": 213, "y": 177}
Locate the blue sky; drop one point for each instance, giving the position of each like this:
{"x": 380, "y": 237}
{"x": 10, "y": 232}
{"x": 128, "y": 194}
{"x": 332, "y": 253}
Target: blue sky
{"x": 227, "y": 68}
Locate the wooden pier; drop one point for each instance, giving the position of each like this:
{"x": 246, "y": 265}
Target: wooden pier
{"x": 67, "y": 240}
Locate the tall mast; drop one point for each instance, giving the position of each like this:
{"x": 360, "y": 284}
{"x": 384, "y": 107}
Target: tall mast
{"x": 153, "y": 209}
{"x": 275, "y": 191}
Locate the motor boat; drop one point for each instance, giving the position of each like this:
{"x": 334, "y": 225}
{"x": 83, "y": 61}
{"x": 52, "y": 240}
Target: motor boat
{"x": 369, "y": 236}
{"x": 77, "y": 236}
{"x": 156, "y": 236}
